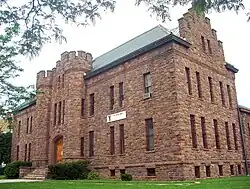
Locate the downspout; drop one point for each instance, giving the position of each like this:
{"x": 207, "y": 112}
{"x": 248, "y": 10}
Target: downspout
{"x": 242, "y": 138}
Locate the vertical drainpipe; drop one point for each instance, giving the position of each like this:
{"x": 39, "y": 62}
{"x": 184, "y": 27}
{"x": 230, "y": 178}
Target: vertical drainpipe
{"x": 242, "y": 138}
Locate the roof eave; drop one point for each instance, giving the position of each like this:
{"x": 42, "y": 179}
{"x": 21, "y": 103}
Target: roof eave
{"x": 20, "y": 108}
{"x": 167, "y": 39}
{"x": 231, "y": 68}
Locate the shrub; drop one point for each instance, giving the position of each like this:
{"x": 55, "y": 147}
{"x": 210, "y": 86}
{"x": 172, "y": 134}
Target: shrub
{"x": 93, "y": 176}
{"x": 11, "y": 170}
{"x": 126, "y": 177}
{"x": 1, "y": 170}
{"x": 69, "y": 171}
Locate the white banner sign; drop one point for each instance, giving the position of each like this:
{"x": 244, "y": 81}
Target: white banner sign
{"x": 116, "y": 116}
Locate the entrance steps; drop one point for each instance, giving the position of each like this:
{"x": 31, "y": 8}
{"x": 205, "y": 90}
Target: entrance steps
{"x": 40, "y": 173}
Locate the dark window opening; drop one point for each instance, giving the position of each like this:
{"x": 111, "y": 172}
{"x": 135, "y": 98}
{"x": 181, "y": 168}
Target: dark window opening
{"x": 63, "y": 111}
{"x": 232, "y": 169}
{"x": 92, "y": 104}
{"x": 235, "y": 137}
{"x": 228, "y": 136}
{"x": 208, "y": 171}
{"x": 122, "y": 171}
{"x": 122, "y": 142}
{"x": 209, "y": 46}
{"x": 121, "y": 95}
{"x": 149, "y": 134}
{"x": 220, "y": 170}
{"x": 25, "y": 153}
{"x": 55, "y": 112}
{"x": 112, "y": 140}
{"x": 59, "y": 112}
{"x": 112, "y": 97}
{"x": 216, "y": 132}
{"x": 62, "y": 80}
{"x": 204, "y": 132}
{"x": 17, "y": 152}
{"x": 198, "y": 84}
{"x": 222, "y": 94}
{"x": 29, "y": 152}
{"x": 239, "y": 169}
{"x": 203, "y": 43}
{"x": 19, "y": 127}
{"x": 188, "y": 81}
{"x": 82, "y": 146}
{"x": 91, "y": 143}
{"x": 197, "y": 171}
{"x": 193, "y": 131}
{"x": 27, "y": 126}
{"x": 229, "y": 96}
{"x": 112, "y": 173}
{"x": 151, "y": 171}
{"x": 31, "y": 123}
{"x": 210, "y": 81}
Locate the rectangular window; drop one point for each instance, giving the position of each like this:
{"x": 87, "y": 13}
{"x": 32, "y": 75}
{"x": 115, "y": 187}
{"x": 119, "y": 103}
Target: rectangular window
{"x": 62, "y": 80}
{"x": 112, "y": 97}
{"x": 203, "y": 43}
{"x": 55, "y": 113}
{"x": 121, "y": 95}
{"x": 92, "y": 104}
{"x": 216, "y": 133}
{"x": 150, "y": 134}
{"x": 27, "y": 126}
{"x": 59, "y": 82}
{"x": 222, "y": 94}
{"x": 91, "y": 143}
{"x": 17, "y": 152}
{"x": 112, "y": 140}
{"x": 147, "y": 83}
{"x": 25, "y": 153}
{"x": 19, "y": 127}
{"x": 209, "y": 46}
{"x": 235, "y": 137}
{"x": 82, "y": 146}
{"x": 232, "y": 169}
{"x": 59, "y": 112}
{"x": 29, "y": 152}
{"x": 122, "y": 141}
{"x": 229, "y": 96}
{"x": 112, "y": 173}
{"x": 220, "y": 170}
{"x": 248, "y": 125}
{"x": 204, "y": 132}
{"x": 122, "y": 171}
{"x": 228, "y": 136}
{"x": 198, "y": 84}
{"x": 193, "y": 131}
{"x": 188, "y": 78}
{"x": 63, "y": 111}
{"x": 31, "y": 123}
{"x": 83, "y": 107}
{"x": 150, "y": 171}
{"x": 210, "y": 82}
{"x": 208, "y": 171}
{"x": 239, "y": 169}
{"x": 197, "y": 171}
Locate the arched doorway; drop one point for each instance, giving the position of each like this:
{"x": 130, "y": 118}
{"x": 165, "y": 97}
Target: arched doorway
{"x": 59, "y": 149}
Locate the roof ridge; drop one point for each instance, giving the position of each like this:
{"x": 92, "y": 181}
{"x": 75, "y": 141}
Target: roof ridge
{"x": 158, "y": 26}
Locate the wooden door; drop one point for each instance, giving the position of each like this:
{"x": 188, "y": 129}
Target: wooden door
{"x": 59, "y": 150}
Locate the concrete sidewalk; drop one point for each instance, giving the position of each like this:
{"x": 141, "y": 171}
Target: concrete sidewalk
{"x": 17, "y": 180}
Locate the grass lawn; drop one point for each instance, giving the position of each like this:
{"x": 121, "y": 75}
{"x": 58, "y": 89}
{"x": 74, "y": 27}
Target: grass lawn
{"x": 2, "y": 176}
{"x": 222, "y": 183}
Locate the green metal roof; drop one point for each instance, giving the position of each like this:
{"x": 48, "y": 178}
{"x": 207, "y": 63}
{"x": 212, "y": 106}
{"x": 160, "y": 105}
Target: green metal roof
{"x": 130, "y": 46}
{"x": 143, "y": 43}
{"x": 25, "y": 105}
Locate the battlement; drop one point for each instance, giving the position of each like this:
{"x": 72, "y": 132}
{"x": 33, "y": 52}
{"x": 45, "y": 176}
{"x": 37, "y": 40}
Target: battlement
{"x": 44, "y": 78}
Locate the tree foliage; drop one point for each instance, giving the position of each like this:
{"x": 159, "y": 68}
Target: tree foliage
{"x": 5, "y": 147}
{"x": 27, "y": 25}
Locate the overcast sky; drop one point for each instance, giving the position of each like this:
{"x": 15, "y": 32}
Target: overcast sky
{"x": 129, "y": 21}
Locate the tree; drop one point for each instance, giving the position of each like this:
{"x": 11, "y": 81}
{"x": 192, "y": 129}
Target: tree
{"x": 29, "y": 24}
{"x": 5, "y": 147}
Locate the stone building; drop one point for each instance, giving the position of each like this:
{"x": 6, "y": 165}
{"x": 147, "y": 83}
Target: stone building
{"x": 161, "y": 106}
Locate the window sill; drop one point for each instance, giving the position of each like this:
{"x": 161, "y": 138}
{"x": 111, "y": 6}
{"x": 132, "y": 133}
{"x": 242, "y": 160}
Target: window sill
{"x": 90, "y": 116}
{"x": 149, "y": 152}
{"x": 121, "y": 154}
{"x": 206, "y": 149}
{"x": 195, "y": 149}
